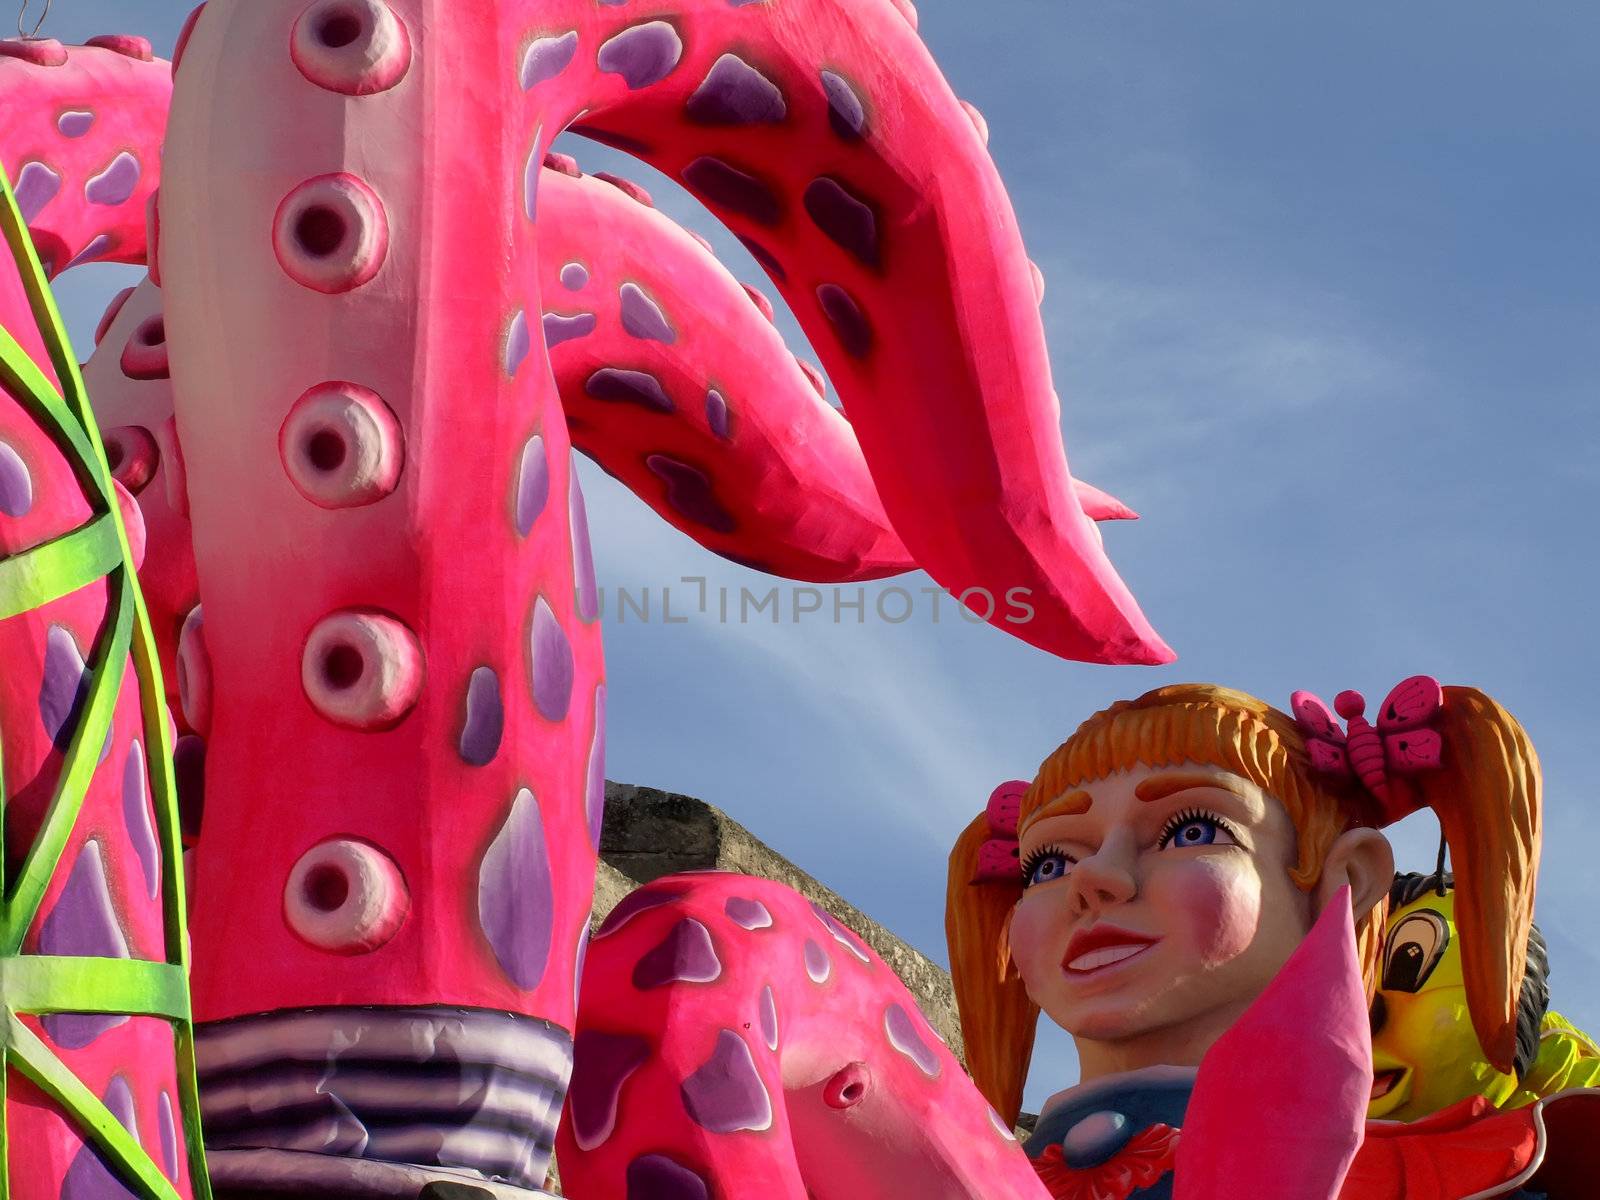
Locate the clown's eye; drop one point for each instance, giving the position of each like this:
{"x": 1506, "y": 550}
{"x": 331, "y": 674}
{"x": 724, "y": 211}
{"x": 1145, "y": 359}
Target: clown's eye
{"x": 1195, "y": 829}
{"x": 1046, "y": 864}
{"x": 1413, "y": 949}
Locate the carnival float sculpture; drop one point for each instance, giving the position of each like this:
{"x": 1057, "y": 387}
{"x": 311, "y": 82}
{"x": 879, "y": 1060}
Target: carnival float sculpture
{"x": 393, "y": 692}
{"x": 379, "y": 318}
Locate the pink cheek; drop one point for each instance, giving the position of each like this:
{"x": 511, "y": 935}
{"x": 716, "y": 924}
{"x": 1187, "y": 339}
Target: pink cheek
{"x": 1036, "y": 938}
{"x": 1221, "y": 907}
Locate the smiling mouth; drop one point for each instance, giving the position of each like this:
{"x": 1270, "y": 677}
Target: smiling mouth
{"x": 1105, "y": 956}
{"x": 1384, "y": 1082}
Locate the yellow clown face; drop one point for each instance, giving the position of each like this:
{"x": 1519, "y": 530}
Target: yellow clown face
{"x": 1425, "y": 1054}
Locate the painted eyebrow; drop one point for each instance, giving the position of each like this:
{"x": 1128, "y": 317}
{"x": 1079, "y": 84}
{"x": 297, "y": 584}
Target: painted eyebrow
{"x": 1068, "y": 804}
{"x": 1159, "y": 787}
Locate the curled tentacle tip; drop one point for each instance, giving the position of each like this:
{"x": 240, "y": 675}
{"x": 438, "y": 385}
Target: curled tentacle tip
{"x": 978, "y": 121}
{"x": 564, "y": 163}
{"x": 41, "y": 52}
{"x": 627, "y": 187}
{"x": 126, "y": 44}
{"x": 759, "y": 299}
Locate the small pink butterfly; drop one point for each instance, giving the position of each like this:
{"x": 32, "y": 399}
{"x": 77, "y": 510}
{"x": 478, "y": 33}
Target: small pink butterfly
{"x": 1400, "y": 743}
{"x": 998, "y": 858}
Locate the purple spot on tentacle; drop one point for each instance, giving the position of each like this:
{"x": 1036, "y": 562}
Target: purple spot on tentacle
{"x": 762, "y": 255}
{"x": 75, "y": 122}
{"x": 515, "y": 898}
{"x": 642, "y": 317}
{"x": 685, "y": 955}
{"x": 168, "y": 1129}
{"x": 574, "y": 276}
{"x": 840, "y": 934}
{"x": 552, "y": 663}
{"x": 849, "y": 323}
{"x": 485, "y": 721}
{"x": 726, "y": 1095}
{"x": 689, "y": 492}
{"x": 594, "y": 799}
{"x": 637, "y": 901}
{"x": 16, "y": 483}
{"x": 560, "y": 328}
{"x": 97, "y": 246}
{"x": 87, "y": 1177}
{"x": 846, "y": 114}
{"x": 752, "y": 914}
{"x": 735, "y": 93}
{"x": 83, "y": 923}
{"x": 588, "y": 598}
{"x": 517, "y": 342}
{"x": 717, "y": 413}
{"x": 729, "y": 187}
{"x": 36, "y": 186}
{"x": 642, "y": 55}
{"x": 657, "y": 1177}
{"x": 903, "y": 1036}
{"x": 63, "y": 687}
{"x": 629, "y": 387}
{"x": 818, "y": 965}
{"x": 768, "y": 1016}
{"x": 601, "y": 1064}
{"x": 137, "y": 818}
{"x": 533, "y": 484}
{"x": 116, "y": 183}
{"x": 547, "y": 57}
{"x": 845, "y": 217}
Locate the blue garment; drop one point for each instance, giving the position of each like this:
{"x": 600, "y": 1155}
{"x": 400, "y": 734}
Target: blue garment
{"x": 1093, "y": 1121}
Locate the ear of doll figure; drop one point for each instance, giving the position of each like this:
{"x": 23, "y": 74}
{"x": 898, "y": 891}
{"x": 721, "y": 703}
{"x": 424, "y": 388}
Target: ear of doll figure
{"x": 1361, "y": 860}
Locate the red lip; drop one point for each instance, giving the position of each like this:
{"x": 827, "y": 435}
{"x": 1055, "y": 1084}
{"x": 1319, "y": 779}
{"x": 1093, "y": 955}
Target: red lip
{"x": 1097, "y": 937}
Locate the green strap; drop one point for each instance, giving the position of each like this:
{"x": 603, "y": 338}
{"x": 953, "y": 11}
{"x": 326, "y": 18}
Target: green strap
{"x": 58, "y": 568}
{"x": 39, "y": 983}
{"x": 122, "y": 1153}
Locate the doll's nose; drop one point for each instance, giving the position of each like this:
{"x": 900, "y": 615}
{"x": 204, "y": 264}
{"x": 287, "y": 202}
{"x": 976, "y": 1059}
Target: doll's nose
{"x": 1106, "y": 876}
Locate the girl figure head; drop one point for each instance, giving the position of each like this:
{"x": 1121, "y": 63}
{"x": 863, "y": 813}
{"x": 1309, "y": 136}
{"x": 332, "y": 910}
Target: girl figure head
{"x": 1177, "y": 848}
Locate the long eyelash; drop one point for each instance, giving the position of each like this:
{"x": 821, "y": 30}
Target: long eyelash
{"x": 1179, "y": 820}
{"x": 1039, "y": 855}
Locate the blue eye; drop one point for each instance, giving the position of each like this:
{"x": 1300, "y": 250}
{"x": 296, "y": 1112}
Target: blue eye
{"x": 1045, "y": 865}
{"x": 1194, "y": 829}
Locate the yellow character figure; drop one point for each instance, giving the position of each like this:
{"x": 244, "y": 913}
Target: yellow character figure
{"x": 1425, "y": 1052}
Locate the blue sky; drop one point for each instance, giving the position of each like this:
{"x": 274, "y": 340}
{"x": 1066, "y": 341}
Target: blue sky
{"x": 1322, "y": 305}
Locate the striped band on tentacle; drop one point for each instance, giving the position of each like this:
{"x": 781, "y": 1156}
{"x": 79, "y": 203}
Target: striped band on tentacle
{"x": 464, "y": 1090}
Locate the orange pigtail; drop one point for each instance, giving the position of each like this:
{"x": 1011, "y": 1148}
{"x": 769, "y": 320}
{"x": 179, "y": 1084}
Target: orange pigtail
{"x": 1488, "y": 799}
{"x": 998, "y": 1020}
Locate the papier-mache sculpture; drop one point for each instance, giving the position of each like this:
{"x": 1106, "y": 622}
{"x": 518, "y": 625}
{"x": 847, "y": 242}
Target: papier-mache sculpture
{"x": 379, "y": 316}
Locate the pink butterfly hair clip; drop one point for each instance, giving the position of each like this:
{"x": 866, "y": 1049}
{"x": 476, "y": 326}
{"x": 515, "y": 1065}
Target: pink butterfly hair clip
{"x": 999, "y": 857}
{"x": 1400, "y": 744}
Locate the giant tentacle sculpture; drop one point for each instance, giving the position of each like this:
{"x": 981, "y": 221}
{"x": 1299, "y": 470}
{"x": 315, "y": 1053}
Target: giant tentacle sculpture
{"x": 389, "y": 324}
{"x": 96, "y": 1053}
{"x": 730, "y": 1031}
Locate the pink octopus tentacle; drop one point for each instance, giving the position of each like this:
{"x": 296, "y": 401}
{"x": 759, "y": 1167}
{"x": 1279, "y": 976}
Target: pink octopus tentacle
{"x": 81, "y": 129}
{"x": 400, "y": 612}
{"x": 705, "y": 415}
{"x": 731, "y": 1032}
{"x": 827, "y": 140}
{"x": 90, "y": 885}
